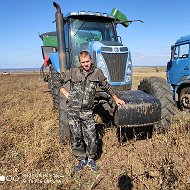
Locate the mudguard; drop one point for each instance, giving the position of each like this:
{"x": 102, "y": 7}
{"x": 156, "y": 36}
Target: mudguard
{"x": 55, "y": 61}
{"x": 183, "y": 80}
{"x": 141, "y": 109}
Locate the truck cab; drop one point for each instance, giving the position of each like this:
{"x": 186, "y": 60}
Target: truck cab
{"x": 178, "y": 72}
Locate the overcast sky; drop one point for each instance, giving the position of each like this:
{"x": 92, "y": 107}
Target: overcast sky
{"x": 164, "y": 22}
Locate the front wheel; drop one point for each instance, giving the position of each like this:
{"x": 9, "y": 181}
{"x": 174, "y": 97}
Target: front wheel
{"x": 159, "y": 88}
{"x": 184, "y": 99}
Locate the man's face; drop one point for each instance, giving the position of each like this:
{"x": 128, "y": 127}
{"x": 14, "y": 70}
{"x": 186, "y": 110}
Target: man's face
{"x": 85, "y": 63}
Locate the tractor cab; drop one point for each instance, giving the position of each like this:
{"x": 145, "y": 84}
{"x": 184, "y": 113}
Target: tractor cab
{"x": 96, "y": 33}
{"x": 83, "y": 28}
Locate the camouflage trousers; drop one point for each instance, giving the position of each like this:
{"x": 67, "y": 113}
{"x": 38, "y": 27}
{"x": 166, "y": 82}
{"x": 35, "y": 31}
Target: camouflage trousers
{"x": 83, "y": 134}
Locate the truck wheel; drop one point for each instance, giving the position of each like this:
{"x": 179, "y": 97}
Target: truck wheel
{"x": 184, "y": 99}
{"x": 159, "y": 88}
{"x": 64, "y": 131}
{"x": 54, "y": 88}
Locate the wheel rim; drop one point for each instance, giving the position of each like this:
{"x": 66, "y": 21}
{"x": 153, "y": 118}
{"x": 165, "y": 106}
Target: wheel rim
{"x": 185, "y": 101}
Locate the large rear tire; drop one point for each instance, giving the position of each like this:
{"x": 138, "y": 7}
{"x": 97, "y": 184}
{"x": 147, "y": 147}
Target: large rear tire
{"x": 64, "y": 131}
{"x": 55, "y": 84}
{"x": 59, "y": 103}
{"x": 159, "y": 88}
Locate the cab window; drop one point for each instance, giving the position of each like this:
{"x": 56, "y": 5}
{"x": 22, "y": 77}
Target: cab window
{"x": 175, "y": 52}
{"x": 184, "y": 51}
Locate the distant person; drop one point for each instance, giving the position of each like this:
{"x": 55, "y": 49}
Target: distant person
{"x": 84, "y": 80}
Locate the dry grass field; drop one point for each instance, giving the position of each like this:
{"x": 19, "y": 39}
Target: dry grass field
{"x": 33, "y": 158}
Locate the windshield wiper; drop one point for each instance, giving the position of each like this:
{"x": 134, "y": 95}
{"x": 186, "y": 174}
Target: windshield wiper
{"x": 91, "y": 34}
{"x": 80, "y": 27}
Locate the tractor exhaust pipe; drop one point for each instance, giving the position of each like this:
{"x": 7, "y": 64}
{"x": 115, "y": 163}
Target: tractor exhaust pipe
{"x": 60, "y": 38}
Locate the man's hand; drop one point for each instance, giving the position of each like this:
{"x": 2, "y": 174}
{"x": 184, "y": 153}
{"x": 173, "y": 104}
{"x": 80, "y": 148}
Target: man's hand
{"x": 65, "y": 92}
{"x": 118, "y": 101}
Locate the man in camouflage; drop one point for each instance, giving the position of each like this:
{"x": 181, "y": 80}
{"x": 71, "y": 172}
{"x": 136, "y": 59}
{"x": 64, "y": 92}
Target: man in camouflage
{"x": 80, "y": 103}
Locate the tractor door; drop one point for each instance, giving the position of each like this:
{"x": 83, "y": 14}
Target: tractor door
{"x": 179, "y": 65}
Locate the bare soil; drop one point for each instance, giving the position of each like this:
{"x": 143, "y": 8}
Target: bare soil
{"x": 32, "y": 156}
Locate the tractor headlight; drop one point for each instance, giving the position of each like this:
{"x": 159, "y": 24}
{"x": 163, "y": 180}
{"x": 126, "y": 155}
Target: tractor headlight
{"x": 128, "y": 78}
{"x": 129, "y": 69}
{"x": 129, "y": 64}
{"x": 102, "y": 65}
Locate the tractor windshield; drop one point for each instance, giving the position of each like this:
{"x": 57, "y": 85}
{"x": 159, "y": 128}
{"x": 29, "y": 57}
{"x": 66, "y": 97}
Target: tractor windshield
{"x": 83, "y": 31}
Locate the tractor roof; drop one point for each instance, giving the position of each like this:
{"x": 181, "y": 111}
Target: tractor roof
{"x": 49, "y": 39}
{"x": 87, "y": 14}
{"x": 47, "y": 34}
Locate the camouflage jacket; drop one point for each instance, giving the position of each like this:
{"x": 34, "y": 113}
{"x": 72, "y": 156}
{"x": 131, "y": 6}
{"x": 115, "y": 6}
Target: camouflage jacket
{"x": 83, "y": 87}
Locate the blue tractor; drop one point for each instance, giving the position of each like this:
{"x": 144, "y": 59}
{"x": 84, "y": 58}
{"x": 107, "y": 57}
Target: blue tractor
{"x": 96, "y": 32}
{"x": 178, "y": 72}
